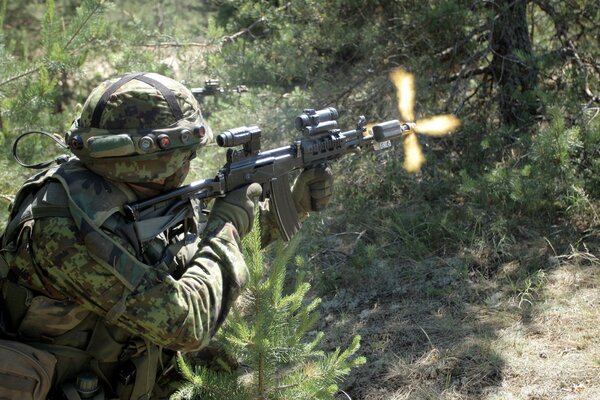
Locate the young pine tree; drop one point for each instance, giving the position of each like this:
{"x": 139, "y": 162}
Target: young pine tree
{"x": 41, "y": 48}
{"x": 269, "y": 335}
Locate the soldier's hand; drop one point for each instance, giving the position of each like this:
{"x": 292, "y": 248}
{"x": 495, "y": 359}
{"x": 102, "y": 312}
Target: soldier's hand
{"x": 238, "y": 207}
{"x": 312, "y": 189}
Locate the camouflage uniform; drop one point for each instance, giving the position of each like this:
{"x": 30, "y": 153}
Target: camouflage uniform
{"x": 102, "y": 293}
{"x": 112, "y": 296}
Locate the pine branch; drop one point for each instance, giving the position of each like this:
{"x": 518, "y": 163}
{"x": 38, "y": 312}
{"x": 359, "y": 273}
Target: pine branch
{"x": 3, "y": 4}
{"x": 248, "y": 30}
{"x": 19, "y": 76}
{"x": 569, "y": 47}
{"x": 75, "y": 35}
{"x": 85, "y": 21}
{"x": 261, "y": 376}
{"x": 268, "y": 338}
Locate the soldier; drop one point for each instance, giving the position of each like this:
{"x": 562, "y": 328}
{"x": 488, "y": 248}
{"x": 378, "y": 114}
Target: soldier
{"x": 94, "y": 304}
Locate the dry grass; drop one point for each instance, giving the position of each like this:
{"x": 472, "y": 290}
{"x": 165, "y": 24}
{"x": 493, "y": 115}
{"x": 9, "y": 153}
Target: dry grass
{"x": 556, "y": 354}
{"x": 528, "y": 331}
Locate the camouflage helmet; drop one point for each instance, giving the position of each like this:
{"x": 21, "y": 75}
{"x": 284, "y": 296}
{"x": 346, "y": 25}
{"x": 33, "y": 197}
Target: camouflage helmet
{"x": 139, "y": 128}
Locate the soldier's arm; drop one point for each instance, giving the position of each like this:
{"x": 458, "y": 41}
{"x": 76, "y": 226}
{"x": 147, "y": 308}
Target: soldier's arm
{"x": 180, "y": 314}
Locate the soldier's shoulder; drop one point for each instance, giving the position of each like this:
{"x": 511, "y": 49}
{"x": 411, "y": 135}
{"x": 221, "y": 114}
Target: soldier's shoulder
{"x": 84, "y": 192}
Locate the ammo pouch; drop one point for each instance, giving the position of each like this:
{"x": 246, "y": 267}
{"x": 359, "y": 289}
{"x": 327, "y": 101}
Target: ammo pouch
{"x": 25, "y": 372}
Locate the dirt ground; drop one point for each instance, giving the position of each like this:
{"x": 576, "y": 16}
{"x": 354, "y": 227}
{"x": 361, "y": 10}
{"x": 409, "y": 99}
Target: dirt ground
{"x": 454, "y": 328}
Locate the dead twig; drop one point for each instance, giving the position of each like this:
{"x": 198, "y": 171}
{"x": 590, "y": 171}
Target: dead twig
{"x": 7, "y": 198}
{"x": 345, "y": 250}
{"x": 231, "y": 38}
{"x": 176, "y": 44}
{"x": 248, "y": 30}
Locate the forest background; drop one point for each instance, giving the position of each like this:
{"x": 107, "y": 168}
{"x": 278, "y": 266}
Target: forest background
{"x": 475, "y": 278}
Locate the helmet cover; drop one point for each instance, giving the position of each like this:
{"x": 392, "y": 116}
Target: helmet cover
{"x": 139, "y": 128}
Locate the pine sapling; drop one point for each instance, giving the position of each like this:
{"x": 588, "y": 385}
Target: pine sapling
{"x": 270, "y": 333}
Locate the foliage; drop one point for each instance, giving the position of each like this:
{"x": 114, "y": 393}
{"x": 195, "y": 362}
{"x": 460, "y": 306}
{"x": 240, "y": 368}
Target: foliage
{"x": 267, "y": 334}
{"x": 508, "y": 174}
{"x": 345, "y": 56}
{"x": 36, "y": 59}
{"x": 549, "y": 180}
{"x": 36, "y": 69}
{"x": 53, "y": 52}
{"x": 482, "y": 191}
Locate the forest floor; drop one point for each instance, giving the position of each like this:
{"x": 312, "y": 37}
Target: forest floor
{"x": 523, "y": 325}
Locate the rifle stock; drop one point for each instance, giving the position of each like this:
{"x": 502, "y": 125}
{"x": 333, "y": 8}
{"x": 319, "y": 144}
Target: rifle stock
{"x": 323, "y": 142}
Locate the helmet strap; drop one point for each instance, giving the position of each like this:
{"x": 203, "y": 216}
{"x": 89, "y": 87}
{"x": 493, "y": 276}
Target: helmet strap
{"x": 168, "y": 95}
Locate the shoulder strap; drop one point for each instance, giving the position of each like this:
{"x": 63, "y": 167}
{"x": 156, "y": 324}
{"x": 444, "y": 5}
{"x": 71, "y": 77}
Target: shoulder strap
{"x": 118, "y": 260}
{"x": 50, "y": 200}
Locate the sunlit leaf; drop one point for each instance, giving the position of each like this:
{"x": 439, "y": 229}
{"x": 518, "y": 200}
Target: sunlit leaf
{"x": 405, "y": 92}
{"x": 413, "y": 155}
{"x": 438, "y": 125}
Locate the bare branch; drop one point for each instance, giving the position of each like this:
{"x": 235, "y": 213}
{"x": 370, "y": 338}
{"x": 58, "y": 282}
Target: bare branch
{"x": 231, "y": 38}
{"x": 176, "y": 44}
{"x": 7, "y": 198}
{"x": 469, "y": 73}
{"x": 247, "y": 30}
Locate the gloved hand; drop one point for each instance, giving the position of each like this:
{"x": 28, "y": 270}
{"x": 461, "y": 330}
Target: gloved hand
{"x": 237, "y": 207}
{"x": 214, "y": 357}
{"x": 312, "y": 189}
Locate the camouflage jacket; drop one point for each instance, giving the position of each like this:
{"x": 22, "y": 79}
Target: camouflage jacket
{"x": 154, "y": 282}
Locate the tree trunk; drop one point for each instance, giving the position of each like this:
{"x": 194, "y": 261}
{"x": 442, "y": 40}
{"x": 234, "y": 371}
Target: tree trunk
{"x": 513, "y": 66}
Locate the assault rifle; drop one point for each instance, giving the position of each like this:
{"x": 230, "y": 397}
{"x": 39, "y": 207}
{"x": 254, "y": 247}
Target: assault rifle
{"x": 213, "y": 87}
{"x": 246, "y": 163}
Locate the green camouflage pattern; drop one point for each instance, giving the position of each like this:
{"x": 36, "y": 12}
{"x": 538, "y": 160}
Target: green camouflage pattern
{"x": 132, "y": 112}
{"x": 58, "y": 316}
{"x": 71, "y": 260}
{"x": 138, "y": 105}
{"x": 170, "y": 167}
{"x": 69, "y": 244}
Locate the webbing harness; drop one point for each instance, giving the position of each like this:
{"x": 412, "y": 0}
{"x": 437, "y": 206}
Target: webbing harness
{"x": 63, "y": 202}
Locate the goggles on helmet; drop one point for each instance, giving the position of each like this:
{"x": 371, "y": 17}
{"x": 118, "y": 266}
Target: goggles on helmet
{"x": 103, "y": 143}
